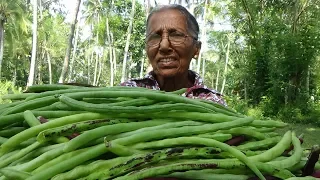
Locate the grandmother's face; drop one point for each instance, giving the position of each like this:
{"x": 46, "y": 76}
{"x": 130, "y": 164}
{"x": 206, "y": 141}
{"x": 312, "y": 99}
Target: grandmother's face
{"x": 172, "y": 55}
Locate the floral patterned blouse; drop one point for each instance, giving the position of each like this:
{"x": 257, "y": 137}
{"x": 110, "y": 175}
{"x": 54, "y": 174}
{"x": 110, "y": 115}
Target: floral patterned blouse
{"x": 198, "y": 90}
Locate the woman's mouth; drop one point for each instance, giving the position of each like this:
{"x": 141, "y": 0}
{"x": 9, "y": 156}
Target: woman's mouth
{"x": 167, "y": 63}
{"x": 167, "y": 60}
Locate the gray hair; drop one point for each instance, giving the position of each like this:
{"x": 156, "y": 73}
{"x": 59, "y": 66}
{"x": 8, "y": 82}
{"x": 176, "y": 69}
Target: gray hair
{"x": 192, "y": 24}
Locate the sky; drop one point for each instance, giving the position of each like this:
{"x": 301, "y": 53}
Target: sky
{"x": 69, "y": 4}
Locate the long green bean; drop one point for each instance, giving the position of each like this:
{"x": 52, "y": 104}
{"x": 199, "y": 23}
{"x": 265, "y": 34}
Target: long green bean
{"x": 14, "y": 174}
{"x": 275, "y": 151}
{"x": 58, "y": 159}
{"x": 255, "y": 145}
{"x": 52, "y": 133}
{"x": 2, "y": 140}
{"x": 199, "y": 175}
{"x": 294, "y": 158}
{"x": 17, "y": 96}
{"x": 268, "y": 123}
{"x": 244, "y": 131}
{"x": 196, "y": 116}
{"x": 108, "y": 130}
{"x": 18, "y": 117}
{"x": 102, "y": 108}
{"x": 30, "y": 118}
{"x": 70, "y": 163}
{"x": 85, "y": 170}
{"x": 8, "y": 132}
{"x": 141, "y": 160}
{"x": 33, "y": 131}
{"x": 122, "y": 150}
{"x": 163, "y": 126}
{"x": 176, "y": 167}
{"x": 155, "y": 95}
{"x": 29, "y": 105}
{"x": 176, "y": 132}
{"x": 85, "y": 89}
{"x": 218, "y": 136}
{"x": 39, "y": 158}
{"x": 20, "y": 154}
{"x": 208, "y": 142}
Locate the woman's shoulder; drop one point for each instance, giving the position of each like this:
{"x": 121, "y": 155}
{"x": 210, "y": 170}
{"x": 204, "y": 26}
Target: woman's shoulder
{"x": 203, "y": 92}
{"x": 147, "y": 82}
{"x": 200, "y": 91}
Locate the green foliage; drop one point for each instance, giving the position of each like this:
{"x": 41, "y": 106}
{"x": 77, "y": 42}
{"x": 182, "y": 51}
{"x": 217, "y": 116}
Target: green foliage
{"x": 15, "y": 25}
{"x": 280, "y": 54}
{"x": 52, "y": 37}
{"x": 274, "y": 54}
{"x": 118, "y": 14}
{"x": 238, "y": 104}
{"x": 256, "y": 112}
{"x": 7, "y": 87}
{"x": 295, "y": 115}
{"x": 241, "y": 106}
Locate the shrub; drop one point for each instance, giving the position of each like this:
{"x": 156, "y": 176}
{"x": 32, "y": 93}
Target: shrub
{"x": 256, "y": 112}
{"x": 8, "y": 87}
{"x": 236, "y": 103}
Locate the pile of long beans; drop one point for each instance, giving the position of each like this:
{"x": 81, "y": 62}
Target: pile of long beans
{"x": 64, "y": 132}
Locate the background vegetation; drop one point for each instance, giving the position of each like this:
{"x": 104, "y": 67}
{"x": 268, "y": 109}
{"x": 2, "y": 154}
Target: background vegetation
{"x": 262, "y": 55}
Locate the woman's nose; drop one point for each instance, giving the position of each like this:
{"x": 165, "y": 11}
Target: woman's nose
{"x": 165, "y": 45}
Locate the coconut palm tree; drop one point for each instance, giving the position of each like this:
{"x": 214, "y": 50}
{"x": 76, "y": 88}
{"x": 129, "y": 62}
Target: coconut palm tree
{"x": 71, "y": 36}
{"x": 11, "y": 11}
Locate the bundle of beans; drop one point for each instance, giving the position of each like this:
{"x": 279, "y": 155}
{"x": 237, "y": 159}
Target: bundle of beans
{"x": 66, "y": 132}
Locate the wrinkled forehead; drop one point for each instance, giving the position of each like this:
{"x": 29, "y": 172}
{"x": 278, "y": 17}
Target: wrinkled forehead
{"x": 167, "y": 18}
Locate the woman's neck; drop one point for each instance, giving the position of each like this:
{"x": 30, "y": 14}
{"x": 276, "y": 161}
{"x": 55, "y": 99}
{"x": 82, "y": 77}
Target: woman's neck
{"x": 175, "y": 83}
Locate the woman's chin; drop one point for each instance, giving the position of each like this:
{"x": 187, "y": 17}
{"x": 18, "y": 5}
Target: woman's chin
{"x": 168, "y": 73}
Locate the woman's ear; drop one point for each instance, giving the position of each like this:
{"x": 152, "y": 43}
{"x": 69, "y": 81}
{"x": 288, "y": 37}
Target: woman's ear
{"x": 198, "y": 48}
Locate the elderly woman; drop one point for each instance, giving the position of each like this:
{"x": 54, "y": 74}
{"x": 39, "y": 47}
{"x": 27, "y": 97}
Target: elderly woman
{"x": 171, "y": 43}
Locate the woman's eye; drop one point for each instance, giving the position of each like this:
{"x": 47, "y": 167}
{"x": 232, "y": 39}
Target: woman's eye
{"x": 176, "y": 34}
{"x": 154, "y": 36}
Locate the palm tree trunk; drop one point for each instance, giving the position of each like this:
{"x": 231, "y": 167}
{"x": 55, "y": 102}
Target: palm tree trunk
{"x": 34, "y": 44}
{"x": 212, "y": 80}
{"x": 40, "y": 65}
{"x": 49, "y": 67}
{"x": 130, "y": 66}
{"x": 217, "y": 79}
{"x": 114, "y": 62}
{"x": 68, "y": 51}
{"x": 203, "y": 34}
{"x": 90, "y": 60}
{"x": 73, "y": 53}
{"x": 40, "y": 10}
{"x": 142, "y": 65}
{"x": 88, "y": 68}
{"x": 225, "y": 66}
{"x": 110, "y": 53}
{"x": 97, "y": 55}
{"x": 147, "y": 4}
{"x": 14, "y": 76}
{"x": 245, "y": 90}
{"x": 100, "y": 70}
{"x": 308, "y": 81}
{"x": 1, "y": 43}
{"x": 191, "y": 8}
{"x": 95, "y": 70}
{"x": 203, "y": 69}
{"x": 126, "y": 50}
